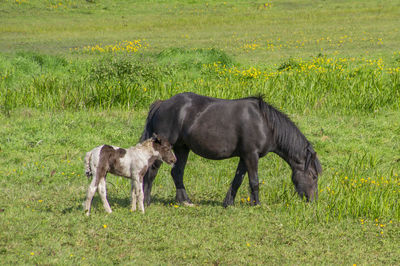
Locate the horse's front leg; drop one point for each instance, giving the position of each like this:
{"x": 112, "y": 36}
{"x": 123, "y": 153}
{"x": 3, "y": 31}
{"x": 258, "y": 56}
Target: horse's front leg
{"x": 177, "y": 172}
{"x": 148, "y": 180}
{"x": 251, "y": 162}
{"x": 237, "y": 181}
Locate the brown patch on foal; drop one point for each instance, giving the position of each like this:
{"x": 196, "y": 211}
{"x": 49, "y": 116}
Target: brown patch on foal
{"x": 109, "y": 161}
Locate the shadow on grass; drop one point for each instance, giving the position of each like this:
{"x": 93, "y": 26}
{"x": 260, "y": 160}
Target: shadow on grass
{"x": 123, "y": 202}
{"x": 166, "y": 201}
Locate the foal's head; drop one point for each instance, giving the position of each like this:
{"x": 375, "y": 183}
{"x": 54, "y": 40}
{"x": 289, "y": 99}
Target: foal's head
{"x": 163, "y": 146}
{"x": 305, "y": 178}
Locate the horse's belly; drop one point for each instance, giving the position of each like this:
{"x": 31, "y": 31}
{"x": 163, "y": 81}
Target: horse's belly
{"x": 213, "y": 155}
{"x": 213, "y": 148}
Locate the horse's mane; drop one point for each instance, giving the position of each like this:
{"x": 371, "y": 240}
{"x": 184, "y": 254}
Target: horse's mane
{"x": 289, "y": 138}
{"x": 148, "y": 131}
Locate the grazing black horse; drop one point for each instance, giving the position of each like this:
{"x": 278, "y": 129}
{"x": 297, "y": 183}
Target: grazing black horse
{"x": 217, "y": 129}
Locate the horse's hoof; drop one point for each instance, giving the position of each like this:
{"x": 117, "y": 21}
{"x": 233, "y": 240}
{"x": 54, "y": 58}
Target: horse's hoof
{"x": 227, "y": 203}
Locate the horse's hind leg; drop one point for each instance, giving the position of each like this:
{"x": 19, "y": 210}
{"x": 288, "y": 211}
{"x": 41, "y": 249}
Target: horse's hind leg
{"x": 148, "y": 180}
{"x": 237, "y": 181}
{"x": 251, "y": 162}
{"x": 177, "y": 174}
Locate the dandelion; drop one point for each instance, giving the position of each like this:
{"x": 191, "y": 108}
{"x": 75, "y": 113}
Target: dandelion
{"x": 32, "y": 253}
{"x": 104, "y": 226}
{"x": 248, "y": 244}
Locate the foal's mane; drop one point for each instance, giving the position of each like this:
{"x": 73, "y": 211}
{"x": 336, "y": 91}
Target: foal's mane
{"x": 289, "y": 138}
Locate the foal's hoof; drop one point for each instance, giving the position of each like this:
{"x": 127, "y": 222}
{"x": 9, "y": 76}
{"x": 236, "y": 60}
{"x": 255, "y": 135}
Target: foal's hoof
{"x": 188, "y": 204}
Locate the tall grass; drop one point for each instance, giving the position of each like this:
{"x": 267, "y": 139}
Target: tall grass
{"x": 125, "y": 80}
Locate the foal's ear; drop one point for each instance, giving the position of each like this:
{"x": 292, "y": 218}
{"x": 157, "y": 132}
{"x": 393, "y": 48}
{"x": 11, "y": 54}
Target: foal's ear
{"x": 156, "y": 139}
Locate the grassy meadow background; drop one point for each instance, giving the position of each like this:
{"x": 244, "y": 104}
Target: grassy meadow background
{"x": 77, "y": 74}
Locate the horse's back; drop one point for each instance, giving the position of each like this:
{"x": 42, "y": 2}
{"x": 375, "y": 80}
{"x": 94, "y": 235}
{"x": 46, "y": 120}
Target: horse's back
{"x": 211, "y": 127}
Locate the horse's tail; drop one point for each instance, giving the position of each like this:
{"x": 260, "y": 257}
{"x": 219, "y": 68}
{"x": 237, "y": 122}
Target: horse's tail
{"x": 148, "y": 129}
{"x": 88, "y": 169}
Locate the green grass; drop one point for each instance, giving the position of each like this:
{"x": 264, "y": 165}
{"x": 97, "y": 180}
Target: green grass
{"x": 77, "y": 74}
{"x": 302, "y": 28}
{"x": 122, "y": 80}
{"x": 43, "y": 186}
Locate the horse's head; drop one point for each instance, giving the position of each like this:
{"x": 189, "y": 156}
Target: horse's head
{"x": 305, "y": 177}
{"x": 164, "y": 148}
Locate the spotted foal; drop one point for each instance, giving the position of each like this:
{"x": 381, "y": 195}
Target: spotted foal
{"x": 131, "y": 163}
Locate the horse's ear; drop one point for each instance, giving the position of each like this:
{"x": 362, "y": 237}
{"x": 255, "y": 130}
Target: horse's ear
{"x": 308, "y": 160}
{"x": 310, "y": 157}
{"x": 317, "y": 165}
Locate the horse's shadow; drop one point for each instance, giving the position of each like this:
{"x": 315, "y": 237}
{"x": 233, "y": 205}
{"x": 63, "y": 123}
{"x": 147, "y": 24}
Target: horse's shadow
{"x": 167, "y": 201}
{"x": 125, "y": 202}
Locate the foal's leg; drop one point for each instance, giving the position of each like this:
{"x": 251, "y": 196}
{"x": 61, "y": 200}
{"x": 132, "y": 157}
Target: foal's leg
{"x": 177, "y": 172}
{"x": 148, "y": 180}
{"x": 251, "y": 162}
{"x": 237, "y": 181}
{"x": 140, "y": 195}
{"x": 103, "y": 194}
{"x": 133, "y": 194}
{"x": 90, "y": 193}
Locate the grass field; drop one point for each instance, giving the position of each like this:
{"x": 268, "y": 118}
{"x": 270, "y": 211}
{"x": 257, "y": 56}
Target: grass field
{"x": 77, "y": 74}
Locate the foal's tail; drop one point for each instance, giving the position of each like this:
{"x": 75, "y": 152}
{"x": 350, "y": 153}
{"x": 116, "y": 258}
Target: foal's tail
{"x": 148, "y": 129}
{"x": 88, "y": 169}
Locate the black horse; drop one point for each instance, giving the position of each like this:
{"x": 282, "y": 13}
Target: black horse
{"x": 217, "y": 129}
